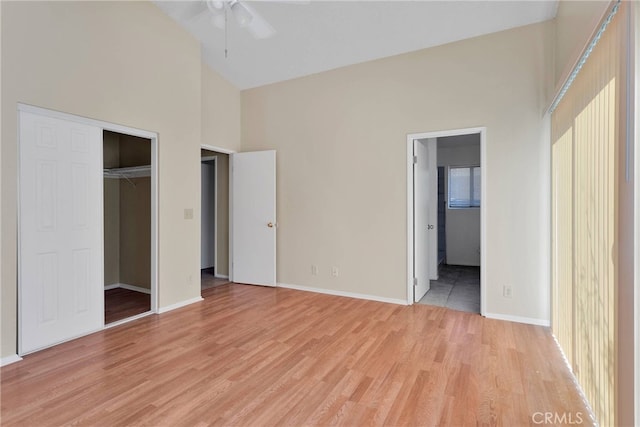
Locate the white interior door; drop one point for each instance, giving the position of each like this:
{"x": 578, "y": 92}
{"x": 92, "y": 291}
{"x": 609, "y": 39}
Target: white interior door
{"x": 432, "y": 209}
{"x": 425, "y": 216}
{"x": 253, "y": 218}
{"x": 61, "y": 211}
{"x": 420, "y": 220}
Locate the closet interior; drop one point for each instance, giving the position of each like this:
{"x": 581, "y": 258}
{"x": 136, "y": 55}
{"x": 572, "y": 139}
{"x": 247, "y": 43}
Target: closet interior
{"x": 127, "y": 226}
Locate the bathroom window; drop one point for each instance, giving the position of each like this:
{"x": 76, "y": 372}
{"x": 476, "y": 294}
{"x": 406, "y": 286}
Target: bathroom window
{"x": 464, "y": 187}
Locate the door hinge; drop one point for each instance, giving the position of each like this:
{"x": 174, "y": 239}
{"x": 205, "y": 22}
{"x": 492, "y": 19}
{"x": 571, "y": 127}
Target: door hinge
{"x": 415, "y": 160}
{"x": 415, "y": 281}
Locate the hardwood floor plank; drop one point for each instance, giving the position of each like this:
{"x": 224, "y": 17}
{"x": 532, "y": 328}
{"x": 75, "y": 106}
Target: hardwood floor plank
{"x": 254, "y": 356}
{"x": 121, "y": 303}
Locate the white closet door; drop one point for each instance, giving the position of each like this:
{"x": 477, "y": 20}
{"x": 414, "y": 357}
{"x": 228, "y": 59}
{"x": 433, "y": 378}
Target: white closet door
{"x": 61, "y": 293}
{"x": 253, "y": 218}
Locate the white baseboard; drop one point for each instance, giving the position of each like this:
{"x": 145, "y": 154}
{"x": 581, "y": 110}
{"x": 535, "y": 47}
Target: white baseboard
{"x": 221, "y": 276}
{"x": 10, "y": 359}
{"x": 179, "y": 304}
{"x": 518, "y": 319}
{"x": 128, "y": 319}
{"x": 343, "y": 294}
{"x": 128, "y": 287}
{"x": 135, "y": 288}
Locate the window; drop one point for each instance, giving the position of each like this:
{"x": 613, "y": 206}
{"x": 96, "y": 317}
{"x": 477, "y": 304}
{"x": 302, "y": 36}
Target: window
{"x": 464, "y": 187}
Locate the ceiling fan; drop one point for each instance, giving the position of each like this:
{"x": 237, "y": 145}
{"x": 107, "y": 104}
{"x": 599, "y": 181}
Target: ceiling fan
{"x": 221, "y": 13}
{"x": 244, "y": 15}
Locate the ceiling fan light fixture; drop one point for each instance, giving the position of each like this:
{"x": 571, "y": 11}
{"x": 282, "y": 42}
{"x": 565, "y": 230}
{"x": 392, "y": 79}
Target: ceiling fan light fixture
{"x": 215, "y": 6}
{"x": 241, "y": 14}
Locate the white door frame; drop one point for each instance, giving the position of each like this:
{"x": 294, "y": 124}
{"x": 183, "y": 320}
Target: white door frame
{"x": 153, "y": 136}
{"x": 213, "y": 159}
{"x": 230, "y": 257}
{"x": 483, "y": 206}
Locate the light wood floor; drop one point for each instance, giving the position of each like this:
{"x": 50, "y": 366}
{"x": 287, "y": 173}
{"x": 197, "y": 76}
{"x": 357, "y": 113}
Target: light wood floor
{"x": 253, "y": 356}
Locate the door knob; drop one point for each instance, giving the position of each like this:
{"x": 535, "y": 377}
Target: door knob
{"x": 270, "y": 225}
{"x": 430, "y": 227}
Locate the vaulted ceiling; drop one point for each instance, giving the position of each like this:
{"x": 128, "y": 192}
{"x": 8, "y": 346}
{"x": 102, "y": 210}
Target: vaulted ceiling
{"x": 315, "y": 36}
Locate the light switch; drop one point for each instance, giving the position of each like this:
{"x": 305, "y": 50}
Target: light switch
{"x": 188, "y": 213}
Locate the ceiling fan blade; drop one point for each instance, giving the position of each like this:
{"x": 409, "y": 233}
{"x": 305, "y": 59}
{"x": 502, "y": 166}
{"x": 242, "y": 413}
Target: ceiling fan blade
{"x": 258, "y": 27}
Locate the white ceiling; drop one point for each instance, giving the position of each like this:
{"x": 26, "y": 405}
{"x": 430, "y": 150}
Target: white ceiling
{"x": 316, "y": 36}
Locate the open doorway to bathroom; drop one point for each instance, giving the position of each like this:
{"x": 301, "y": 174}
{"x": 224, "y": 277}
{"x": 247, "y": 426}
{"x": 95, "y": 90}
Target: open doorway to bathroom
{"x": 445, "y": 206}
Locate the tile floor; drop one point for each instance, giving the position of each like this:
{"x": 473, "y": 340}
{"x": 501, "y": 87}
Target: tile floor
{"x": 457, "y": 287}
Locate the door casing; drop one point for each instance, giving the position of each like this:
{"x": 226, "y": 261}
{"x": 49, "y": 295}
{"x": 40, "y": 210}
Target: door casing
{"x": 483, "y": 206}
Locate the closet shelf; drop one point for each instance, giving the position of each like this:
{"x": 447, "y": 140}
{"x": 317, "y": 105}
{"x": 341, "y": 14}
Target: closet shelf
{"x": 131, "y": 172}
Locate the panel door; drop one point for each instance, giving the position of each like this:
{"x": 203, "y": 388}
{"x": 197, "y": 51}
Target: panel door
{"x": 61, "y": 293}
{"x": 253, "y": 218}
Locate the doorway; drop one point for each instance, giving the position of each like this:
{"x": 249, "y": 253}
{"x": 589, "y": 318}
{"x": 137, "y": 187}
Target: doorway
{"x": 445, "y": 232}
{"x": 214, "y": 214}
{"x": 127, "y": 226}
{"x": 246, "y": 216}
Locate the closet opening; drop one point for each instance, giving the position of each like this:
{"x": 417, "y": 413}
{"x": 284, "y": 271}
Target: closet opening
{"x": 127, "y": 226}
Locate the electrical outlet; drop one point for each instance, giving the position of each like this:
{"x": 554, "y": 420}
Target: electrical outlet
{"x": 188, "y": 213}
{"x": 334, "y": 271}
{"x": 506, "y": 291}
{"x": 314, "y": 270}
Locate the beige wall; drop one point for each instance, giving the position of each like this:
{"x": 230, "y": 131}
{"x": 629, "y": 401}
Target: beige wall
{"x": 111, "y": 231}
{"x": 111, "y": 196}
{"x": 110, "y": 149}
{"x": 94, "y": 59}
{"x": 127, "y": 213}
{"x": 574, "y": 25}
{"x": 127, "y": 231}
{"x": 135, "y": 232}
{"x": 341, "y": 143}
{"x": 134, "y": 151}
{"x": 220, "y": 128}
{"x": 220, "y": 111}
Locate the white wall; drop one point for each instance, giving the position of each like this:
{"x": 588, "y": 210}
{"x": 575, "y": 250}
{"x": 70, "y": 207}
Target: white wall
{"x": 207, "y": 206}
{"x": 341, "y": 142}
{"x": 462, "y": 226}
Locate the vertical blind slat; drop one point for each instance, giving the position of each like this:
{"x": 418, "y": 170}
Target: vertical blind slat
{"x": 586, "y": 141}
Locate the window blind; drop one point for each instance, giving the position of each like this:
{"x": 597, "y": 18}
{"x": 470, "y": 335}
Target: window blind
{"x": 587, "y": 133}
